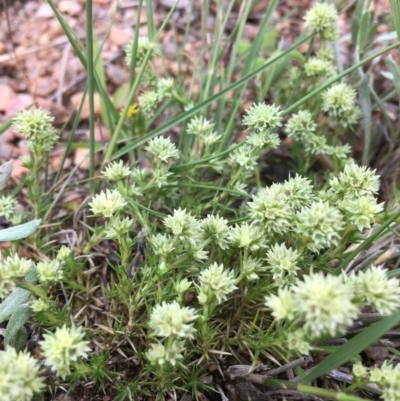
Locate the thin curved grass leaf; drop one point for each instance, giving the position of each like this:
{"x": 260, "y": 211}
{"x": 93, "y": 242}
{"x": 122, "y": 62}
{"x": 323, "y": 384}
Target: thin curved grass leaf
{"x": 18, "y": 297}
{"x": 19, "y": 232}
{"x": 395, "y": 6}
{"x": 352, "y": 348}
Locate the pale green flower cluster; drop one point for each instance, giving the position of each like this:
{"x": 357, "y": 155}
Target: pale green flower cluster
{"x": 36, "y": 126}
{"x": 319, "y": 226}
{"x": 215, "y": 283}
{"x": 322, "y": 18}
{"x": 319, "y": 67}
{"x": 262, "y": 117}
{"x": 174, "y": 323}
{"x": 7, "y": 206}
{"x": 172, "y": 320}
{"x": 63, "y": 348}
{"x": 107, "y": 203}
{"x": 144, "y": 45}
{"x": 11, "y": 268}
{"x": 216, "y": 231}
{"x": 49, "y": 271}
{"x": 373, "y": 287}
{"x": 116, "y": 171}
{"x": 118, "y": 227}
{"x": 188, "y": 233}
{"x": 199, "y": 126}
{"x": 339, "y": 102}
{"x": 19, "y": 376}
{"x": 388, "y": 378}
{"x": 326, "y": 305}
{"x": 163, "y": 149}
{"x": 148, "y": 102}
{"x": 282, "y": 262}
{"x": 302, "y": 129}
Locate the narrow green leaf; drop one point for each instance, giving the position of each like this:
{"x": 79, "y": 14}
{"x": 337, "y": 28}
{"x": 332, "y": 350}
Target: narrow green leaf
{"x": 352, "y": 348}
{"x": 355, "y": 27}
{"x": 395, "y": 6}
{"x": 5, "y": 173}
{"x": 5, "y": 127}
{"x": 19, "y": 232}
{"x": 395, "y": 71}
{"x": 364, "y": 28}
{"x": 19, "y": 317}
{"x": 365, "y": 105}
{"x": 18, "y": 297}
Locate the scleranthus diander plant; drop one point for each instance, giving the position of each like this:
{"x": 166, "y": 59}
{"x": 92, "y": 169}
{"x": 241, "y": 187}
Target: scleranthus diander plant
{"x": 190, "y": 253}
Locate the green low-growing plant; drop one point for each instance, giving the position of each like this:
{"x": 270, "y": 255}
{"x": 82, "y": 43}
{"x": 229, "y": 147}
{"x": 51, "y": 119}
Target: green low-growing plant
{"x": 210, "y": 263}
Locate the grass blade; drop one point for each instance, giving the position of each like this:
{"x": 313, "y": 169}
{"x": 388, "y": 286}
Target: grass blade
{"x": 354, "y": 346}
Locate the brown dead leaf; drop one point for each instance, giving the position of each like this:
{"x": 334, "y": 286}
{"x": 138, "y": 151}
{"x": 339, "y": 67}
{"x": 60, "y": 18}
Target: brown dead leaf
{"x": 7, "y": 96}
{"x": 76, "y": 100}
{"x": 120, "y": 36}
{"x": 18, "y": 170}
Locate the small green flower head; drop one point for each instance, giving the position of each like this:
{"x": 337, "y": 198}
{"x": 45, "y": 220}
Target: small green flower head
{"x": 300, "y": 125}
{"x": 182, "y": 286}
{"x": 263, "y": 139}
{"x": 340, "y": 152}
{"x": 49, "y": 271}
{"x": 354, "y": 182}
{"x": 377, "y": 290}
{"x": 326, "y": 53}
{"x": 209, "y": 139}
{"x": 322, "y": 18}
{"x": 162, "y": 245}
{"x": 298, "y": 191}
{"x": 199, "y": 126}
{"x": 315, "y": 145}
{"x": 148, "y": 102}
{"x": 143, "y": 46}
{"x": 215, "y": 282}
{"x": 116, "y": 171}
{"x": 249, "y": 236}
{"x": 324, "y": 303}
{"x": 161, "y": 175}
{"x": 19, "y": 376}
{"x": 339, "y": 102}
{"x": 296, "y": 342}
{"x": 118, "y": 227}
{"x": 63, "y": 253}
{"x": 319, "y": 67}
{"x": 184, "y": 226}
{"x": 7, "y": 206}
{"x": 38, "y": 305}
{"x": 360, "y": 211}
{"x": 261, "y": 117}
{"x": 388, "y": 377}
{"x": 251, "y": 267}
{"x": 163, "y": 149}
{"x": 16, "y": 266}
{"x": 282, "y": 305}
{"x": 35, "y": 125}
{"x": 165, "y": 88}
{"x": 64, "y": 347}
{"x": 172, "y": 320}
{"x": 270, "y": 208}
{"x": 107, "y": 203}
{"x": 360, "y": 371}
{"x": 282, "y": 262}
{"x": 159, "y": 354}
{"x": 243, "y": 156}
{"x": 216, "y": 230}
{"x": 320, "y": 225}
